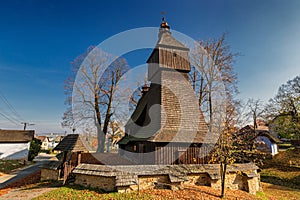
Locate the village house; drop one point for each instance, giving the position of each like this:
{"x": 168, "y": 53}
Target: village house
{"x": 45, "y": 142}
{"x": 49, "y": 142}
{"x": 260, "y": 138}
{"x": 14, "y": 144}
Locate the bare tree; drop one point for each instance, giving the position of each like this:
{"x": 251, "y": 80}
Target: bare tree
{"x": 90, "y": 92}
{"x": 214, "y": 81}
{"x": 212, "y": 68}
{"x": 256, "y": 110}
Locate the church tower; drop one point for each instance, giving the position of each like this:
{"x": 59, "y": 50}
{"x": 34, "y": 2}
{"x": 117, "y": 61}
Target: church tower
{"x": 168, "y": 53}
{"x": 166, "y": 118}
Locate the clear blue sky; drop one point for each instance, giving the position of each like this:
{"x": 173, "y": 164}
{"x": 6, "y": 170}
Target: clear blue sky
{"x": 38, "y": 40}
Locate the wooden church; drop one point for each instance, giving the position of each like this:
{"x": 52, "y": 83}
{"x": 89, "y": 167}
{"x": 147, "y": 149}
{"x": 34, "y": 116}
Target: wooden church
{"x": 167, "y": 126}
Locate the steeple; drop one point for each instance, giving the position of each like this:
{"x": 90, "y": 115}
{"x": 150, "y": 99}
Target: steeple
{"x": 168, "y": 53}
{"x": 164, "y": 26}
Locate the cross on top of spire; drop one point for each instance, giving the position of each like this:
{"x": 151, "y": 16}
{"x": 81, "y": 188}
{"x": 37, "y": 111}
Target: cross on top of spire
{"x": 163, "y": 16}
{"x": 164, "y": 24}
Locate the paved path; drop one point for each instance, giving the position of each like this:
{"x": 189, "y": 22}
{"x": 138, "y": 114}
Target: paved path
{"x": 5, "y": 180}
{"x": 8, "y": 179}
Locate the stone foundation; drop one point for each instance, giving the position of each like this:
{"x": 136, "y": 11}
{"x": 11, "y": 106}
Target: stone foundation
{"x": 130, "y": 178}
{"x": 198, "y": 179}
{"x": 107, "y": 184}
{"x": 49, "y": 174}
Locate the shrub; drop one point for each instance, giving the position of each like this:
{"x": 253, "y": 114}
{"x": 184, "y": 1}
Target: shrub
{"x": 34, "y": 149}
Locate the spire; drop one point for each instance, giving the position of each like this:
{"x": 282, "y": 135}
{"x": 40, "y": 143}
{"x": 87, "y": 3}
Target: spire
{"x": 164, "y": 24}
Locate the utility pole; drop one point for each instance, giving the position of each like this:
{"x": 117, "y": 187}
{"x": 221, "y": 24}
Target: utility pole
{"x": 26, "y": 124}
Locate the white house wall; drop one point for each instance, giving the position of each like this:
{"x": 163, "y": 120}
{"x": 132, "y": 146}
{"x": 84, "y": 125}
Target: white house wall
{"x": 14, "y": 150}
{"x": 274, "y": 148}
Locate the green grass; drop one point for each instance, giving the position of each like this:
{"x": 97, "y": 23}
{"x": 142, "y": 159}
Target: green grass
{"x": 262, "y": 195}
{"x": 6, "y": 166}
{"x": 288, "y": 176}
{"x": 281, "y": 176}
{"x": 283, "y": 169}
{"x": 79, "y": 192}
{"x": 276, "y": 192}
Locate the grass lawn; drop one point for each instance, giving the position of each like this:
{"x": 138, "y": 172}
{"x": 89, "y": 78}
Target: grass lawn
{"x": 270, "y": 192}
{"x": 78, "y": 192}
{"x": 6, "y": 166}
{"x": 276, "y": 192}
{"x": 283, "y": 169}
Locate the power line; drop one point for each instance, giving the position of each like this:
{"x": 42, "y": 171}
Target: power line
{"x": 11, "y": 108}
{"x": 9, "y": 116}
{"x": 14, "y": 117}
{"x": 12, "y": 121}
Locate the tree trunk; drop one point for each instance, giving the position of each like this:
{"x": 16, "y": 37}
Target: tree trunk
{"x": 210, "y": 111}
{"x": 201, "y": 91}
{"x": 101, "y": 140}
{"x": 108, "y": 110}
{"x": 100, "y": 134}
{"x": 223, "y": 167}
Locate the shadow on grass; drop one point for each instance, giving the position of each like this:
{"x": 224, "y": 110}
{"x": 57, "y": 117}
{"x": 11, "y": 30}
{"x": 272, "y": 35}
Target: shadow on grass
{"x": 43, "y": 184}
{"x": 80, "y": 187}
{"x": 280, "y": 187}
{"x": 292, "y": 183}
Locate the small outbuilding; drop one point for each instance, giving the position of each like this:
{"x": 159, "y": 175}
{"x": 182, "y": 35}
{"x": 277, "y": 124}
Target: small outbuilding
{"x": 14, "y": 144}
{"x": 260, "y": 138}
{"x": 266, "y": 142}
{"x": 71, "y": 148}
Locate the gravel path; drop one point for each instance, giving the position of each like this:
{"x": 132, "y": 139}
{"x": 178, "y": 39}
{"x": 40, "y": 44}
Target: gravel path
{"x": 28, "y": 193}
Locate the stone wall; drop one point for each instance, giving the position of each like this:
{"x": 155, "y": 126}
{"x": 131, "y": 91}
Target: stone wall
{"x": 239, "y": 177}
{"x": 198, "y": 179}
{"x": 107, "y": 184}
{"x": 49, "y": 174}
{"x": 153, "y": 182}
{"x": 253, "y": 185}
{"x": 238, "y": 181}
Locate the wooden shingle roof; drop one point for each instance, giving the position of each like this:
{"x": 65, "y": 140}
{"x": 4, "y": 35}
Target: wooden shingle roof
{"x": 249, "y": 131}
{"x": 104, "y": 159}
{"x": 16, "y": 136}
{"x": 268, "y": 135}
{"x": 184, "y": 121}
{"x": 128, "y": 174}
{"x": 71, "y": 142}
{"x": 167, "y": 40}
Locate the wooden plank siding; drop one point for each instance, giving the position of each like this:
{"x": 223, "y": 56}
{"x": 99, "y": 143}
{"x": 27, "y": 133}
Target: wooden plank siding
{"x": 178, "y": 154}
{"x": 174, "y": 59}
{"x": 165, "y": 154}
